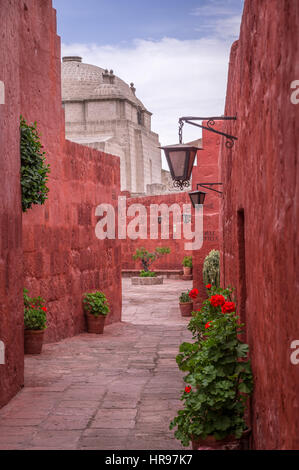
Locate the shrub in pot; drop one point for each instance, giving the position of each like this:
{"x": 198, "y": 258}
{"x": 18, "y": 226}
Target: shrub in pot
{"x": 96, "y": 308}
{"x": 219, "y": 378}
{"x": 211, "y": 269}
{"x": 147, "y": 258}
{"x": 187, "y": 265}
{"x": 35, "y": 319}
{"x": 147, "y": 274}
{"x": 186, "y": 304}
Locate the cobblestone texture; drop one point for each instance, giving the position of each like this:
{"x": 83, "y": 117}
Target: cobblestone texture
{"x": 115, "y": 391}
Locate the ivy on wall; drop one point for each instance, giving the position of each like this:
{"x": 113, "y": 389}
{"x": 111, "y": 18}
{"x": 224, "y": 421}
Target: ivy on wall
{"x": 34, "y": 170}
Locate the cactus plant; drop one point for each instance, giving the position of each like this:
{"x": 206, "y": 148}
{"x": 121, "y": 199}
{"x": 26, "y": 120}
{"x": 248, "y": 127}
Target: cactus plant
{"x": 211, "y": 268}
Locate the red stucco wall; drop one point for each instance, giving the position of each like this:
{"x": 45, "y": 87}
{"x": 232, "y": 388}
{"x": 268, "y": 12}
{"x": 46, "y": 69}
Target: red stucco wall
{"x": 207, "y": 171}
{"x": 62, "y": 258}
{"x": 260, "y": 176}
{"x": 172, "y": 261}
{"x": 11, "y": 273}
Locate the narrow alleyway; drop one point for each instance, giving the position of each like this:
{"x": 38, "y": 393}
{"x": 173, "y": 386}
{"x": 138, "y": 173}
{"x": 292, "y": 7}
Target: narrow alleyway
{"x": 116, "y": 391}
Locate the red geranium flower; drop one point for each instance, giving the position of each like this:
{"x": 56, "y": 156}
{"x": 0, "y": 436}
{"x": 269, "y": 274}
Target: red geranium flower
{"x": 32, "y": 306}
{"x": 188, "y": 389}
{"x": 208, "y": 286}
{"x": 228, "y": 307}
{"x": 217, "y": 300}
{"x": 44, "y": 309}
{"x": 208, "y": 324}
{"x": 193, "y": 293}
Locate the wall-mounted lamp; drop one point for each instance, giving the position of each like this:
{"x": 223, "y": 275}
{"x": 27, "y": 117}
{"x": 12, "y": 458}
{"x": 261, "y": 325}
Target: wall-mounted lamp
{"x": 198, "y": 197}
{"x": 180, "y": 157}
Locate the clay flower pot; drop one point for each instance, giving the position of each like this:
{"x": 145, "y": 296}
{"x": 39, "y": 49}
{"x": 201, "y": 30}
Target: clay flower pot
{"x": 33, "y": 341}
{"x": 95, "y": 325}
{"x": 186, "y": 309}
{"x": 187, "y": 271}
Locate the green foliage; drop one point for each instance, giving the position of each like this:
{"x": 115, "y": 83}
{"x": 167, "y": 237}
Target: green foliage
{"x": 219, "y": 373}
{"x": 184, "y": 298}
{"x": 35, "y": 317}
{"x": 211, "y": 268}
{"x": 147, "y": 258}
{"x": 34, "y": 171}
{"x": 187, "y": 262}
{"x": 147, "y": 274}
{"x": 96, "y": 303}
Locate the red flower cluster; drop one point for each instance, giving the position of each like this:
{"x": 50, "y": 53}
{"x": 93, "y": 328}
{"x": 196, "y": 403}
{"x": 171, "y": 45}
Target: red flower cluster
{"x": 193, "y": 293}
{"x": 228, "y": 307}
{"x": 208, "y": 324}
{"x": 188, "y": 389}
{"x": 217, "y": 300}
{"x": 44, "y": 309}
{"x": 208, "y": 286}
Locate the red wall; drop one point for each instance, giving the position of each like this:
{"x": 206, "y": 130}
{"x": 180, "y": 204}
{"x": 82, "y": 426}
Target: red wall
{"x": 260, "y": 176}
{"x": 11, "y": 272}
{"x": 207, "y": 171}
{"x": 62, "y": 258}
{"x": 167, "y": 262}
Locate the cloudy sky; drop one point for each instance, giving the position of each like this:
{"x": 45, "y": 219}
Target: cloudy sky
{"x": 175, "y": 51}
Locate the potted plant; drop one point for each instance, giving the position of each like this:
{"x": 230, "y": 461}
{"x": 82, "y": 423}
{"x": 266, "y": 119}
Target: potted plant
{"x": 186, "y": 304}
{"x": 96, "y": 308}
{"x": 35, "y": 319}
{"x": 147, "y": 274}
{"x": 147, "y": 258}
{"x": 211, "y": 269}
{"x": 187, "y": 265}
{"x": 219, "y": 378}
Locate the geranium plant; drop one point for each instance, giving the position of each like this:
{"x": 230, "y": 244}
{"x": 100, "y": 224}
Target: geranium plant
{"x": 35, "y": 316}
{"x": 184, "y": 298}
{"x": 96, "y": 304}
{"x": 219, "y": 374}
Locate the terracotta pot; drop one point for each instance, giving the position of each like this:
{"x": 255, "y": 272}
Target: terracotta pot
{"x": 186, "y": 309}
{"x": 229, "y": 443}
{"x": 95, "y": 324}
{"x": 187, "y": 271}
{"x": 33, "y": 341}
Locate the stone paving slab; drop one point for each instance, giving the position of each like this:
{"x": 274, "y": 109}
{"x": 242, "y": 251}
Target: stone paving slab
{"x": 114, "y": 391}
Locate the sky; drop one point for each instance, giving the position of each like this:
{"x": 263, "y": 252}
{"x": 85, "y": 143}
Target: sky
{"x": 175, "y": 51}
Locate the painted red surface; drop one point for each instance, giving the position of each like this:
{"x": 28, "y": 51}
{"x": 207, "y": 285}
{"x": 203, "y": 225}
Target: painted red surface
{"x": 172, "y": 261}
{"x": 11, "y": 269}
{"x": 62, "y": 257}
{"x": 207, "y": 171}
{"x": 260, "y": 223}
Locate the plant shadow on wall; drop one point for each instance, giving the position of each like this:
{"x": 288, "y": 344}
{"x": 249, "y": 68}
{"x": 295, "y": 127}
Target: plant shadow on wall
{"x": 34, "y": 170}
{"x": 219, "y": 377}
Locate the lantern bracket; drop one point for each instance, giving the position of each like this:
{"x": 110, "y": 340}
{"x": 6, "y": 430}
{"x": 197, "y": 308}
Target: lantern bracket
{"x": 207, "y": 186}
{"x": 209, "y": 127}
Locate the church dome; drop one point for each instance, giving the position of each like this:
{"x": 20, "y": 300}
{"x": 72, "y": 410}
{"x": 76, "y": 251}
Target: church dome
{"x": 88, "y": 82}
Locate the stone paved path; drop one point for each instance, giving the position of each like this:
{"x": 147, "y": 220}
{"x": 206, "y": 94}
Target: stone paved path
{"x": 116, "y": 391}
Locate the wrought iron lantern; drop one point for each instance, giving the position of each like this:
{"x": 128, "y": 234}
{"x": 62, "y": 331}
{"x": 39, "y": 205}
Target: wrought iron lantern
{"x": 180, "y": 159}
{"x": 197, "y": 197}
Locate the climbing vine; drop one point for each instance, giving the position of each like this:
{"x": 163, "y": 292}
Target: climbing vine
{"x": 34, "y": 170}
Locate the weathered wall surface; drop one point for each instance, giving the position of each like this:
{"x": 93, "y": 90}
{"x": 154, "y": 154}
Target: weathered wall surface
{"x": 207, "y": 171}
{"x": 170, "y": 261}
{"x": 62, "y": 256}
{"x": 260, "y": 211}
{"x": 11, "y": 269}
